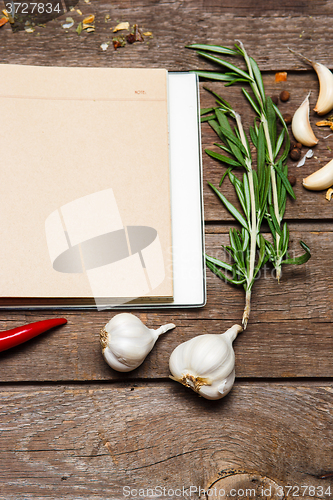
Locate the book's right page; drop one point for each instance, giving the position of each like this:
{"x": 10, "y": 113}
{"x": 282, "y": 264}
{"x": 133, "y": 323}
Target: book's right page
{"x": 186, "y": 191}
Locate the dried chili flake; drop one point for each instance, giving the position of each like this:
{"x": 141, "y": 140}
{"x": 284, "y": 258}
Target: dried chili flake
{"x": 281, "y": 76}
{"x": 118, "y": 41}
{"x": 121, "y": 26}
{"x": 3, "y": 21}
{"x": 135, "y": 35}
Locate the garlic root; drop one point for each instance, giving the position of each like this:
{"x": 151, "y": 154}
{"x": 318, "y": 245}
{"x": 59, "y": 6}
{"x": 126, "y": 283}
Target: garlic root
{"x": 206, "y": 363}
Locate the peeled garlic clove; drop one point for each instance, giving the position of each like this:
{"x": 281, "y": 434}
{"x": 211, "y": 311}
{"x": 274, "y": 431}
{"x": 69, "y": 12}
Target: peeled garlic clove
{"x": 206, "y": 363}
{"x": 126, "y": 341}
{"x": 322, "y": 179}
{"x": 325, "y": 99}
{"x": 301, "y": 127}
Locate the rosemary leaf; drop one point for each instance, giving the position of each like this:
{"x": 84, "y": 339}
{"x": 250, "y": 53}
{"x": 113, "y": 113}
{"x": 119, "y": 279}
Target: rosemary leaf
{"x": 219, "y": 273}
{"x": 223, "y": 158}
{"x": 226, "y": 64}
{"x": 258, "y": 78}
{"x": 219, "y": 263}
{"x": 238, "y": 216}
{"x": 213, "y": 48}
{"x": 302, "y": 258}
{"x": 251, "y": 101}
{"x": 285, "y": 181}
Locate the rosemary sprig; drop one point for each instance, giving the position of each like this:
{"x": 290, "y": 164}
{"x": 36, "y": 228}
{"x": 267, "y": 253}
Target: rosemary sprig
{"x": 262, "y": 193}
{"x": 244, "y": 243}
{"x": 272, "y": 148}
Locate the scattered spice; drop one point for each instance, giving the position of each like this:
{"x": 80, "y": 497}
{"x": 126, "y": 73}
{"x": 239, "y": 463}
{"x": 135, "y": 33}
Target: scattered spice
{"x": 287, "y": 118}
{"x": 329, "y": 194}
{"x": 284, "y": 96}
{"x": 296, "y": 145}
{"x": 79, "y": 29}
{"x": 326, "y": 123}
{"x": 68, "y": 24}
{"x": 3, "y": 21}
{"x": 295, "y": 154}
{"x": 292, "y": 179}
{"x": 104, "y": 46}
{"x": 89, "y": 19}
{"x": 121, "y": 26}
{"x": 8, "y": 16}
{"x": 118, "y": 41}
{"x": 281, "y": 76}
{"x": 135, "y": 35}
{"x": 308, "y": 154}
{"x": 107, "y": 18}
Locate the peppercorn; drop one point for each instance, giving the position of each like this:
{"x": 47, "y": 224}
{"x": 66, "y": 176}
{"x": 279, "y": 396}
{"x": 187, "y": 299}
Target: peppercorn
{"x": 275, "y": 99}
{"x": 284, "y": 96}
{"x": 287, "y": 118}
{"x": 295, "y": 154}
{"x": 296, "y": 145}
{"x": 292, "y": 180}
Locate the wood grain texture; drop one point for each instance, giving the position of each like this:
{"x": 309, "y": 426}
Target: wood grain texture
{"x": 267, "y": 30}
{"x": 289, "y": 329}
{"x": 79, "y": 442}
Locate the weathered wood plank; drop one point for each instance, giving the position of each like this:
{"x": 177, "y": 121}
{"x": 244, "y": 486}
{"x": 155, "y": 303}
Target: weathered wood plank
{"x": 289, "y": 333}
{"x": 80, "y": 442}
{"x": 267, "y": 30}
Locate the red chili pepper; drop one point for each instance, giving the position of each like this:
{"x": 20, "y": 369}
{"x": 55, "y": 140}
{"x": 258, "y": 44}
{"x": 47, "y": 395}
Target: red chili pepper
{"x": 16, "y": 336}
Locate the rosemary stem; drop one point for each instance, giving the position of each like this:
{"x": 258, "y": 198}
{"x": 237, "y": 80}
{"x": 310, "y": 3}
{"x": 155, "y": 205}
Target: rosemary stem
{"x": 253, "y": 247}
{"x": 247, "y": 309}
{"x": 274, "y": 192}
{"x": 253, "y": 224}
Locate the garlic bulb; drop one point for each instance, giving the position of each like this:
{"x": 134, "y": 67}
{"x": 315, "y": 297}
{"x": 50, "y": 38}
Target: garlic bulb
{"x": 321, "y": 179}
{"x": 301, "y": 127}
{"x": 126, "y": 341}
{"x": 206, "y": 363}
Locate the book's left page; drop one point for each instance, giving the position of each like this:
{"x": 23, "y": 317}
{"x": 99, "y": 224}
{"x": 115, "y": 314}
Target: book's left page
{"x": 85, "y": 188}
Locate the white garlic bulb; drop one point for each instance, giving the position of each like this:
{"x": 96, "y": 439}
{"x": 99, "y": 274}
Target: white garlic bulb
{"x": 206, "y": 363}
{"x": 126, "y": 341}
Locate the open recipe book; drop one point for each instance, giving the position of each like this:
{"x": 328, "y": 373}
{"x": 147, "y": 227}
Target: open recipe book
{"x": 101, "y": 189}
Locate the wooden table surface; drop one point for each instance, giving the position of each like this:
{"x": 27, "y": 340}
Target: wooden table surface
{"x": 71, "y": 428}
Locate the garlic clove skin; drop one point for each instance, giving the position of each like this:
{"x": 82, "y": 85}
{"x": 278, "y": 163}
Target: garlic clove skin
{"x": 301, "y": 127}
{"x": 321, "y": 179}
{"x": 325, "y": 76}
{"x": 126, "y": 341}
{"x": 206, "y": 363}
{"x": 325, "y": 99}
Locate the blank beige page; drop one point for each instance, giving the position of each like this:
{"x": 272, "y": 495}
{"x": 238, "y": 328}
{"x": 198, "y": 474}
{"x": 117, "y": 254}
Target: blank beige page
{"x": 67, "y": 133}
